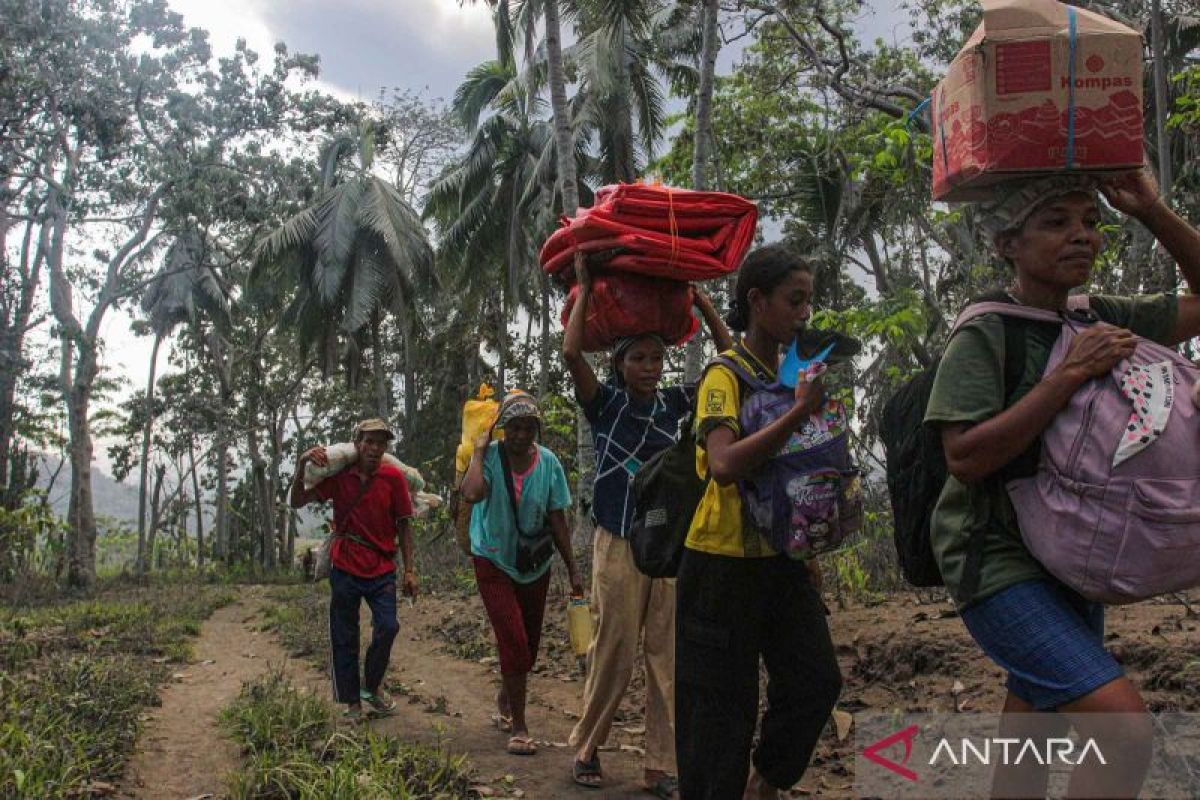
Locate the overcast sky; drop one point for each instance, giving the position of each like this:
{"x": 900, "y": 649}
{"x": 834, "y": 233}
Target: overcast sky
{"x": 424, "y": 45}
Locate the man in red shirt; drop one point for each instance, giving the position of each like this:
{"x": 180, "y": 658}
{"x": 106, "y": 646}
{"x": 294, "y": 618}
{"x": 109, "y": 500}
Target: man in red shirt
{"x": 371, "y": 511}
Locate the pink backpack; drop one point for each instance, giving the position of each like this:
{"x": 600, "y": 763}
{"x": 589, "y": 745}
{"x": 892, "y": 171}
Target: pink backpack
{"x": 1114, "y": 509}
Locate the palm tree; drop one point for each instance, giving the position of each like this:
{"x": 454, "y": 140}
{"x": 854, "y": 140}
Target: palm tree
{"x": 693, "y": 362}
{"x": 494, "y": 205}
{"x": 626, "y": 50}
{"x": 359, "y": 251}
{"x": 184, "y": 288}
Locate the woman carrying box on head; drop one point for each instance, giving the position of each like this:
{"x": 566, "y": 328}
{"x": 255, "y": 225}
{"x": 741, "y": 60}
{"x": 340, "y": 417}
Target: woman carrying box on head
{"x": 1048, "y": 638}
{"x": 632, "y": 419}
{"x": 520, "y": 492}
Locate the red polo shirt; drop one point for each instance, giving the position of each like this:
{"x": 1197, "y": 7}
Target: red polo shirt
{"x": 374, "y": 518}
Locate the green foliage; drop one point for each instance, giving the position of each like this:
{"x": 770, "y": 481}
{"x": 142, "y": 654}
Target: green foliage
{"x": 77, "y": 676}
{"x": 1186, "y": 115}
{"x": 293, "y": 750}
{"x": 31, "y": 540}
{"x": 71, "y": 723}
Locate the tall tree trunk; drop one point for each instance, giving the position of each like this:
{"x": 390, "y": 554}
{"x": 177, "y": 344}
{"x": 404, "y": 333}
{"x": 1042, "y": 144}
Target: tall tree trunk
{"x": 76, "y": 378}
{"x": 12, "y": 339}
{"x": 81, "y": 557}
{"x": 702, "y": 147}
{"x": 144, "y": 469}
{"x": 382, "y": 404}
{"x": 502, "y": 345}
{"x": 1169, "y": 277}
{"x": 564, "y": 146}
{"x": 564, "y": 138}
{"x": 1158, "y": 49}
{"x": 199, "y": 504}
{"x": 160, "y": 474}
{"x": 544, "y": 375}
{"x": 214, "y": 346}
{"x": 411, "y": 395}
{"x": 221, "y": 550}
{"x": 264, "y": 504}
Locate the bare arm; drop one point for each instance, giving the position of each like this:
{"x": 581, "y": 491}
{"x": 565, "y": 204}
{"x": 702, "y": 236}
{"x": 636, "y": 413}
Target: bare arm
{"x": 730, "y": 459}
{"x": 1137, "y": 194}
{"x": 712, "y": 320}
{"x": 404, "y": 538}
{"x": 562, "y": 542}
{"x": 404, "y": 534}
{"x": 976, "y": 452}
{"x": 474, "y": 487}
{"x": 299, "y": 497}
{"x": 586, "y": 383}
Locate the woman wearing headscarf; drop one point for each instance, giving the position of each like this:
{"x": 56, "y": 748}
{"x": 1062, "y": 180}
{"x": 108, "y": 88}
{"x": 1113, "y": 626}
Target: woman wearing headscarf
{"x": 521, "y": 494}
{"x": 632, "y": 418}
{"x": 1048, "y": 639}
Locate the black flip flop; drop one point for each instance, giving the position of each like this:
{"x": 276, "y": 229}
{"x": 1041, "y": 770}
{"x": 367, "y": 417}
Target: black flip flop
{"x": 587, "y": 769}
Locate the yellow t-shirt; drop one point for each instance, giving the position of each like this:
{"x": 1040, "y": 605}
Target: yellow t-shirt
{"x": 717, "y": 526}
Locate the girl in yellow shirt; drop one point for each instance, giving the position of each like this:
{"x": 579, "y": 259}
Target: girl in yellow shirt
{"x": 738, "y": 600}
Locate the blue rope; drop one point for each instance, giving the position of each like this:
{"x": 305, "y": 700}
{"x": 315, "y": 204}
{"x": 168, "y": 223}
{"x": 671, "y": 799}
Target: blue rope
{"x": 1071, "y": 88}
{"x": 916, "y": 112}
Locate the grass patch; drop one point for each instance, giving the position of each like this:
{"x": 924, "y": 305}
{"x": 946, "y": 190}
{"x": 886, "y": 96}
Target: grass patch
{"x": 294, "y": 750}
{"x": 297, "y": 616}
{"x": 75, "y": 678}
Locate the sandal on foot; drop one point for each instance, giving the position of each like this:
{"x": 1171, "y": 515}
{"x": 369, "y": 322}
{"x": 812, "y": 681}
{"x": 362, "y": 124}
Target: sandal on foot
{"x": 666, "y": 787}
{"x": 380, "y": 703}
{"x": 587, "y": 773}
{"x": 521, "y": 746}
{"x": 502, "y": 723}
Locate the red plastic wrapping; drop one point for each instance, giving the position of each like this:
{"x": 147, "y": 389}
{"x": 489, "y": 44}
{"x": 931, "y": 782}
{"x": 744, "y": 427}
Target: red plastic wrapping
{"x": 623, "y": 304}
{"x": 659, "y": 231}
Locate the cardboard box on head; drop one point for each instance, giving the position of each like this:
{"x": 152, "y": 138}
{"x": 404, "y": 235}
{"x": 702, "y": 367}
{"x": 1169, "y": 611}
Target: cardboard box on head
{"x": 1039, "y": 87}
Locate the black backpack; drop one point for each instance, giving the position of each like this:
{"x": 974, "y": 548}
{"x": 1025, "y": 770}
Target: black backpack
{"x": 667, "y": 491}
{"x": 916, "y": 464}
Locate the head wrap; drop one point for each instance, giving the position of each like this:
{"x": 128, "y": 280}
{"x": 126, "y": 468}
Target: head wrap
{"x": 621, "y": 347}
{"x": 1015, "y": 201}
{"x": 517, "y": 403}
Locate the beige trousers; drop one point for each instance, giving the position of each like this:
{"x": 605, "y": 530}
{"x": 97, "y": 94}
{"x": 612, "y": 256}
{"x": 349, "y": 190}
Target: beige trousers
{"x": 625, "y": 605}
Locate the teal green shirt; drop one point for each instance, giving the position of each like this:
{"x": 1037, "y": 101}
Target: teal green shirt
{"x": 493, "y": 534}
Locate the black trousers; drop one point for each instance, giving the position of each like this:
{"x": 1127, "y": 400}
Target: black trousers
{"x": 346, "y": 592}
{"x": 729, "y": 613}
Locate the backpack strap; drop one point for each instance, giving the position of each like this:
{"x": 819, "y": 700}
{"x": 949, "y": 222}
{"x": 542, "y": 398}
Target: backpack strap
{"x": 1014, "y": 369}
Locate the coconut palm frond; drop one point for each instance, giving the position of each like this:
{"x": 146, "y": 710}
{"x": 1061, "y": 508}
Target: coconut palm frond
{"x": 385, "y": 214}
{"x": 330, "y": 156}
{"x": 477, "y": 91}
{"x": 370, "y": 285}
{"x": 337, "y": 227}
{"x": 295, "y": 233}
{"x": 651, "y": 107}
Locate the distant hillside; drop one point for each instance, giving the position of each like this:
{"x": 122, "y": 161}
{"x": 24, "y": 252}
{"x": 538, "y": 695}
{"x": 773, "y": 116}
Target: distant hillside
{"x": 120, "y": 500}
{"x": 110, "y": 498}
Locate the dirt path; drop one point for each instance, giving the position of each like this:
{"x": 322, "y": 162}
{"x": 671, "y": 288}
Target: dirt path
{"x": 182, "y": 751}
{"x": 900, "y": 655}
{"x": 453, "y": 699}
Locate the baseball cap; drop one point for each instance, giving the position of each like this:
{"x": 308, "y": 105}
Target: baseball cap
{"x": 372, "y": 425}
